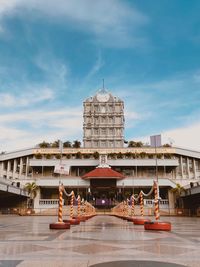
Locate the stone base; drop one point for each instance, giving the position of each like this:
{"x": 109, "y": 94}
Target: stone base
{"x": 157, "y": 226}
{"x": 140, "y": 221}
{"x": 72, "y": 221}
{"x": 59, "y": 225}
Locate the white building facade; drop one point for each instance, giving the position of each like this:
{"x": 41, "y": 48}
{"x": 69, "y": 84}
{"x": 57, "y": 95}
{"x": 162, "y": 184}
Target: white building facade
{"x": 140, "y": 166}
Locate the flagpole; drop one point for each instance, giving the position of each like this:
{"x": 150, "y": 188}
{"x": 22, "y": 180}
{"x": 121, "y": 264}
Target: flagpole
{"x": 61, "y": 150}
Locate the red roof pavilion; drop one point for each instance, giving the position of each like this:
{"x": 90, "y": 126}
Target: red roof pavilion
{"x": 103, "y": 173}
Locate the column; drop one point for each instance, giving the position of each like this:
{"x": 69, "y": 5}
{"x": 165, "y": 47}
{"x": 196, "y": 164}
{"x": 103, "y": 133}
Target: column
{"x": 27, "y": 166}
{"x": 188, "y": 168}
{"x": 8, "y": 168}
{"x": 1, "y": 169}
{"x": 14, "y": 168}
{"x": 194, "y": 168}
{"x": 36, "y": 201}
{"x": 20, "y": 167}
{"x": 171, "y": 202}
{"x": 181, "y": 163}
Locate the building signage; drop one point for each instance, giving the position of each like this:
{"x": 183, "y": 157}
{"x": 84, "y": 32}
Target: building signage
{"x": 62, "y": 169}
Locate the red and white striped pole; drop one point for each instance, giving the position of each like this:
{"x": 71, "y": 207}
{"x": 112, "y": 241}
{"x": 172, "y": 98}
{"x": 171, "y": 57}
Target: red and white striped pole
{"x": 72, "y": 206}
{"x": 157, "y": 213}
{"x": 132, "y": 207}
{"x": 141, "y": 204}
{"x": 60, "y": 204}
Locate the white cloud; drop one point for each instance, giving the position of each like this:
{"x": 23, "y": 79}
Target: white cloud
{"x": 183, "y": 137}
{"x": 112, "y": 22}
{"x": 64, "y": 124}
{"x": 186, "y": 137}
{"x": 26, "y": 99}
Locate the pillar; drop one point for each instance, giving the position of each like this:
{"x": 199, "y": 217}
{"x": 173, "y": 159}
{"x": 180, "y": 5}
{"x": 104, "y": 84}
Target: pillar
{"x": 8, "y": 168}
{"x": 194, "y": 168}
{"x": 27, "y": 166}
{"x": 14, "y": 168}
{"x": 188, "y": 168}
{"x": 20, "y": 167}
{"x": 36, "y": 201}
{"x": 1, "y": 169}
{"x": 171, "y": 200}
{"x": 181, "y": 165}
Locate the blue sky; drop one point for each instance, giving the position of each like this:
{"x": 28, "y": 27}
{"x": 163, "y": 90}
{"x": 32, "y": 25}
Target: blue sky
{"x": 54, "y": 54}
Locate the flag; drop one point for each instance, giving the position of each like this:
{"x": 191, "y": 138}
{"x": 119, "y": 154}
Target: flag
{"x": 62, "y": 169}
{"x": 155, "y": 140}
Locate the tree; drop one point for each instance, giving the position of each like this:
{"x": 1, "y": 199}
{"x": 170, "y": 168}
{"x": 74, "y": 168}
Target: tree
{"x": 96, "y": 155}
{"x": 177, "y": 192}
{"x": 135, "y": 144}
{"x": 78, "y": 155}
{"x": 167, "y": 145}
{"x": 120, "y": 155}
{"x": 143, "y": 155}
{"x": 48, "y": 156}
{"x": 32, "y": 190}
{"x": 38, "y": 156}
{"x": 67, "y": 144}
{"x": 76, "y": 144}
{"x": 55, "y": 144}
{"x": 44, "y": 145}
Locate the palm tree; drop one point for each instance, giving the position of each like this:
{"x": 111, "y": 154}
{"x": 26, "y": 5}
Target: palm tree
{"x": 55, "y": 144}
{"x": 44, "y": 144}
{"x": 76, "y": 144}
{"x": 96, "y": 155}
{"x": 135, "y": 144}
{"x": 32, "y": 190}
{"x": 67, "y": 144}
{"x": 177, "y": 192}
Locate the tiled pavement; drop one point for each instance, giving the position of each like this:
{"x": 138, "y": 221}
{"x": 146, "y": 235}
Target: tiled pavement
{"x": 27, "y": 241}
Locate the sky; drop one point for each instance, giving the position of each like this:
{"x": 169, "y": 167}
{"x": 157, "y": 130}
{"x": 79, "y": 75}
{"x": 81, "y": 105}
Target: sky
{"x": 54, "y": 54}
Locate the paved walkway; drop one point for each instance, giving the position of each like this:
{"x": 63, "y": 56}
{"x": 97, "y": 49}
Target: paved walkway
{"x": 27, "y": 241}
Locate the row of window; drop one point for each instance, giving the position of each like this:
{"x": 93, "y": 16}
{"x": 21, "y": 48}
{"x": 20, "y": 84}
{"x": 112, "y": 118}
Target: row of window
{"x": 103, "y": 131}
{"x": 104, "y": 108}
{"x": 103, "y": 143}
{"x": 104, "y": 119}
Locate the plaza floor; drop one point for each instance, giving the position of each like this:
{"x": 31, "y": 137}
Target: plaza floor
{"x": 103, "y": 241}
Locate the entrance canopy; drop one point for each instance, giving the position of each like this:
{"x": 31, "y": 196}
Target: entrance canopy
{"x": 103, "y": 173}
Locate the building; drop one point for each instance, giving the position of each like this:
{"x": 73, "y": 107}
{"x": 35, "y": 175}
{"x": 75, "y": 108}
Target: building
{"x": 101, "y": 170}
{"x": 103, "y": 121}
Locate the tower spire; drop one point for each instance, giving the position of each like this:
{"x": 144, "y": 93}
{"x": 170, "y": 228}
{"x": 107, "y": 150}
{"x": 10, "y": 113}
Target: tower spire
{"x": 103, "y": 87}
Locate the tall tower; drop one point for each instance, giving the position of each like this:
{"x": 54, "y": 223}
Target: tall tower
{"x": 103, "y": 121}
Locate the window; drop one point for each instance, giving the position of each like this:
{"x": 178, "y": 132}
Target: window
{"x": 111, "y": 131}
{"x": 103, "y": 143}
{"x": 118, "y": 144}
{"x": 118, "y": 119}
{"x": 110, "y": 119}
{"x": 96, "y": 120}
{"x": 96, "y": 131}
{"x": 87, "y": 108}
{"x": 103, "y": 119}
{"x": 111, "y": 143}
{"x": 117, "y": 108}
{"x": 96, "y": 108}
{"x": 110, "y": 108}
{"x": 103, "y": 131}
{"x": 88, "y": 120}
{"x": 118, "y": 131}
{"x": 95, "y": 143}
